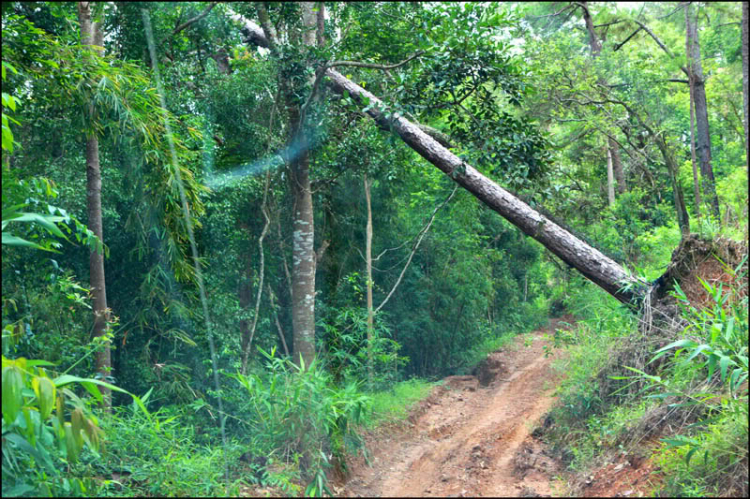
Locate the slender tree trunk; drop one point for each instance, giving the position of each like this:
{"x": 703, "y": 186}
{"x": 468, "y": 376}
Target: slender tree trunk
{"x": 617, "y": 166}
{"x": 245, "y": 297}
{"x": 368, "y": 259}
{"x": 259, "y": 295}
{"x": 745, "y": 63}
{"x": 703, "y": 138}
{"x": 696, "y": 181}
{"x": 610, "y": 179}
{"x": 90, "y": 35}
{"x": 594, "y": 265}
{"x": 613, "y": 153}
{"x": 276, "y": 318}
{"x": 679, "y": 199}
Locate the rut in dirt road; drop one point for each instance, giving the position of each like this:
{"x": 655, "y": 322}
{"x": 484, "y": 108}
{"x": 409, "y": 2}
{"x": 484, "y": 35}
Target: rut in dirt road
{"x": 468, "y": 439}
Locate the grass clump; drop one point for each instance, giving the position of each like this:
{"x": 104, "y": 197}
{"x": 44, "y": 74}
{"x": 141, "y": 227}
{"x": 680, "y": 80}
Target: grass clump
{"x": 393, "y": 404}
{"x": 156, "y": 457}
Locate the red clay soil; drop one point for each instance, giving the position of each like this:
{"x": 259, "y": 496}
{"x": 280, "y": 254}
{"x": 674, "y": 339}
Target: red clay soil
{"x": 467, "y": 439}
{"x": 626, "y": 477}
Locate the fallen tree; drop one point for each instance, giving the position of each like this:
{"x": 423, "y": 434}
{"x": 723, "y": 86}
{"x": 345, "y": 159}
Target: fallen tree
{"x": 592, "y": 263}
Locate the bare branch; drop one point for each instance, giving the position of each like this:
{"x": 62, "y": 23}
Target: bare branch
{"x": 611, "y": 23}
{"x": 414, "y": 249}
{"x": 194, "y": 19}
{"x": 569, "y": 6}
{"x": 619, "y": 45}
{"x": 375, "y": 66}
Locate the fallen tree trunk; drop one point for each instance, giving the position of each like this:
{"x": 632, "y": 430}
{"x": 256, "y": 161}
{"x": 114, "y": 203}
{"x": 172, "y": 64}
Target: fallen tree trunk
{"x": 592, "y": 263}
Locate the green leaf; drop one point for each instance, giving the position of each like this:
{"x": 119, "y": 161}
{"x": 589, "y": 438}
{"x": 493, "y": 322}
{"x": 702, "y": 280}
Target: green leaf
{"x": 46, "y": 221}
{"x": 45, "y": 393}
{"x": 12, "y": 393}
{"x": 689, "y": 455}
{"x": 697, "y": 351}
{"x": 67, "y": 379}
{"x": 18, "y": 490}
{"x": 11, "y": 240}
{"x": 675, "y": 442}
{"x": 724, "y": 363}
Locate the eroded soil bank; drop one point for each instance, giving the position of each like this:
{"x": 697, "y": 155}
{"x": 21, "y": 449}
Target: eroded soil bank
{"x": 471, "y": 437}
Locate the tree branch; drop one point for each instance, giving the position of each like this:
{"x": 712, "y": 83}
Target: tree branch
{"x": 194, "y": 19}
{"x": 374, "y": 66}
{"x": 619, "y": 45}
{"x": 553, "y": 14}
{"x": 414, "y": 249}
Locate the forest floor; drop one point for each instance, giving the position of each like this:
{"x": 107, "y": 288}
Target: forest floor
{"x": 467, "y": 439}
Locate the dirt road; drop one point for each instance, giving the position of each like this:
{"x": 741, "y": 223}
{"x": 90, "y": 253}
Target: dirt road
{"x": 467, "y": 439}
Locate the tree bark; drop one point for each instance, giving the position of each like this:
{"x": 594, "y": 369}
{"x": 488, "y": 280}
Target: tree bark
{"x": 368, "y": 260}
{"x": 703, "y": 138}
{"x": 610, "y": 179}
{"x": 745, "y": 63}
{"x": 91, "y": 35}
{"x": 597, "y": 267}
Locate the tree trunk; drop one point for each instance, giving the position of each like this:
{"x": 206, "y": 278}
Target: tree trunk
{"x": 613, "y": 154}
{"x": 303, "y": 252}
{"x": 694, "y": 162}
{"x": 745, "y": 34}
{"x": 597, "y": 267}
{"x": 90, "y": 35}
{"x": 303, "y": 258}
{"x": 703, "y": 138}
{"x": 245, "y": 294}
{"x": 679, "y": 199}
{"x": 617, "y": 166}
{"x": 610, "y": 179}
{"x": 368, "y": 259}
{"x": 247, "y": 345}
{"x": 594, "y": 43}
{"x": 276, "y": 318}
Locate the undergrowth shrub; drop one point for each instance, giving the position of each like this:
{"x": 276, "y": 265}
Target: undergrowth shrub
{"x": 158, "y": 457}
{"x": 708, "y": 372}
{"x": 691, "y": 392}
{"x": 300, "y": 417}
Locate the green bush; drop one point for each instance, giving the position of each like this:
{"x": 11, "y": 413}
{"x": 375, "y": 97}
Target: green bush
{"x": 298, "y": 415}
{"x": 158, "y": 456}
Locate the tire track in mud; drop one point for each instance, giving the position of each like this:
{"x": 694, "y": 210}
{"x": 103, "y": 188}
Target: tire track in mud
{"x": 470, "y": 440}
